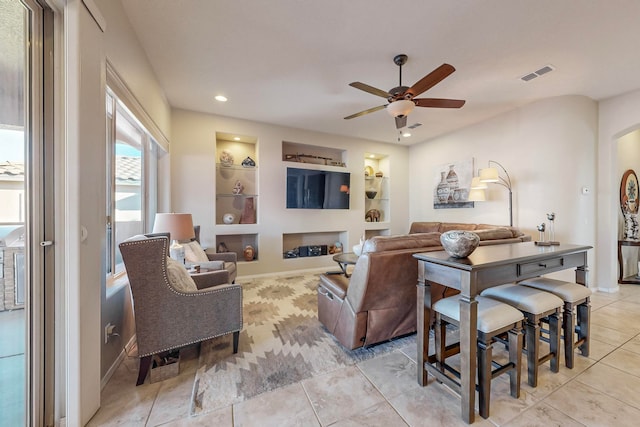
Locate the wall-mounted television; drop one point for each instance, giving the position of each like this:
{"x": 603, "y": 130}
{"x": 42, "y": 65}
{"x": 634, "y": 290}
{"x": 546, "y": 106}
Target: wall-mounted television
{"x": 317, "y": 189}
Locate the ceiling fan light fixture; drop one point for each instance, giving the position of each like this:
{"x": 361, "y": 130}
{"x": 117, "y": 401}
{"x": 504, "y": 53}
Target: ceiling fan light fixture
{"x": 400, "y": 108}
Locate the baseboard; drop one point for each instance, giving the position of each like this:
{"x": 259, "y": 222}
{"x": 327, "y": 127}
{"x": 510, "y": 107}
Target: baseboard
{"x": 609, "y": 290}
{"x": 123, "y": 354}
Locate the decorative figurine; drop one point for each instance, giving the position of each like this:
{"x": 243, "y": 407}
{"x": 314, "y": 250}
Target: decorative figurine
{"x": 541, "y": 241}
{"x": 238, "y": 188}
{"x": 551, "y": 217}
{"x": 372, "y": 215}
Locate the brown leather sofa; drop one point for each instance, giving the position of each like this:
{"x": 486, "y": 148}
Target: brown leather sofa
{"x": 378, "y": 302}
{"x": 489, "y": 234}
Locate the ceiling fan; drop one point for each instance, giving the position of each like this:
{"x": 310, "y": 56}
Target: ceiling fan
{"x": 402, "y": 98}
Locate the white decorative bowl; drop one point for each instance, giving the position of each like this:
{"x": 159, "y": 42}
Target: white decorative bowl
{"x": 459, "y": 243}
{"x": 228, "y": 218}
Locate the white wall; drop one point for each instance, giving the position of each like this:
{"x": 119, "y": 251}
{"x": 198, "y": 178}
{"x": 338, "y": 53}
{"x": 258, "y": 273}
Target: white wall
{"x": 617, "y": 117}
{"x": 193, "y": 158}
{"x": 548, "y": 149}
{"x": 87, "y": 48}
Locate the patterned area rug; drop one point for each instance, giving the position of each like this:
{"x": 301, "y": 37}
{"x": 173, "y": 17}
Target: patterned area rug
{"x": 282, "y": 342}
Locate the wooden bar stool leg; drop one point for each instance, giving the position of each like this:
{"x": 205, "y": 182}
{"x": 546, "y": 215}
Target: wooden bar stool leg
{"x": 533, "y": 351}
{"x": 554, "y": 341}
{"x": 440, "y": 341}
{"x": 485, "y": 355}
{"x": 515, "y": 357}
{"x": 584, "y": 324}
{"x": 568, "y": 328}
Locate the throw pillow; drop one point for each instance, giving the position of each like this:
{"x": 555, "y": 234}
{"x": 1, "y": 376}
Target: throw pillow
{"x": 193, "y": 252}
{"x": 179, "y": 278}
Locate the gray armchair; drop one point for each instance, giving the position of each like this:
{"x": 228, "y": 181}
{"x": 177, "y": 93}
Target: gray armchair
{"x": 169, "y": 315}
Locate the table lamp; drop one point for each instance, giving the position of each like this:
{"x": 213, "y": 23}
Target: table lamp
{"x": 180, "y": 228}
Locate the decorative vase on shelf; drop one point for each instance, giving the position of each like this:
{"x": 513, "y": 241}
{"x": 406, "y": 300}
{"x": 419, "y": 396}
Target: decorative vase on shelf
{"x": 371, "y": 193}
{"x": 226, "y": 159}
{"x": 228, "y": 218}
{"x": 442, "y": 190}
{"x": 249, "y": 253}
{"x": 248, "y": 162}
{"x": 248, "y": 213}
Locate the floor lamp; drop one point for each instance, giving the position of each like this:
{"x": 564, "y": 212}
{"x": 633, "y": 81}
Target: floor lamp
{"x": 491, "y": 174}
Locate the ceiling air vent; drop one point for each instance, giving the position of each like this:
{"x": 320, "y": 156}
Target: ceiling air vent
{"x": 537, "y": 73}
{"x": 415, "y": 125}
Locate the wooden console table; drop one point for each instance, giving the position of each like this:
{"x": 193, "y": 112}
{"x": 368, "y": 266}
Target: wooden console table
{"x": 487, "y": 266}
{"x": 621, "y": 278}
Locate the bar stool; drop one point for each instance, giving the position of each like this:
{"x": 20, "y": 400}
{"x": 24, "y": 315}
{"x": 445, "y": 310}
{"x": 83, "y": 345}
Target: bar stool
{"x": 573, "y": 321}
{"x": 535, "y": 305}
{"x": 494, "y": 318}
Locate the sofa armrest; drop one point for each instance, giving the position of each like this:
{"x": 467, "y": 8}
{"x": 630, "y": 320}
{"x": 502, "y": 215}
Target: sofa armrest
{"x": 222, "y": 256}
{"x": 208, "y": 279}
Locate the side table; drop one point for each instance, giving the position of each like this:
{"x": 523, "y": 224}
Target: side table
{"x": 621, "y": 278}
{"x": 344, "y": 259}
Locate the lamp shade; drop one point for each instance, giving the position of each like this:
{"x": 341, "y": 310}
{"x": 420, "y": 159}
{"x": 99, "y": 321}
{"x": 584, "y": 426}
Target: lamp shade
{"x": 401, "y": 108}
{"x": 476, "y": 184}
{"x": 476, "y": 195}
{"x": 179, "y": 225}
{"x": 489, "y": 175}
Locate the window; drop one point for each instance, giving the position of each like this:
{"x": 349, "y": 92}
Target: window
{"x": 132, "y": 165}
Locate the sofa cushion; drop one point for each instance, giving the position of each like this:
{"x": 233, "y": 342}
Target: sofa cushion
{"x": 494, "y": 233}
{"x": 424, "y": 227}
{"x": 403, "y": 241}
{"x": 448, "y": 226}
{"x": 179, "y": 278}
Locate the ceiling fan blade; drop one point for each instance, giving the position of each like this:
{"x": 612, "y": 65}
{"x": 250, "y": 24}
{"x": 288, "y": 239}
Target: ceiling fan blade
{"x": 438, "y": 102}
{"x": 401, "y": 122}
{"x": 430, "y": 80}
{"x": 362, "y": 113}
{"x": 370, "y": 89}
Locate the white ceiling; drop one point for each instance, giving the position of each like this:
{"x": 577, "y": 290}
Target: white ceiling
{"x": 289, "y": 62}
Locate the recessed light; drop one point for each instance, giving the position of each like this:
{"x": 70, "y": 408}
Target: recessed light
{"x": 221, "y": 98}
{"x": 406, "y": 134}
{"x": 236, "y": 138}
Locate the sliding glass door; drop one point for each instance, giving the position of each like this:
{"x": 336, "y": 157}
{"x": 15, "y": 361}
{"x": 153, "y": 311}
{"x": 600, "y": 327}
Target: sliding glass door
{"x": 26, "y": 194}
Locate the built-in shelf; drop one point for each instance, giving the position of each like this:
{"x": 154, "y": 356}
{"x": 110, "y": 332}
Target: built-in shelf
{"x": 312, "y": 154}
{"x": 237, "y": 243}
{"x": 292, "y": 242}
{"x": 236, "y": 204}
{"x": 376, "y": 189}
{"x": 236, "y": 184}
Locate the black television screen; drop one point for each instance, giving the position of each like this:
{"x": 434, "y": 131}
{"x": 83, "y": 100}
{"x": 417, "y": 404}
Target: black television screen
{"x": 317, "y": 189}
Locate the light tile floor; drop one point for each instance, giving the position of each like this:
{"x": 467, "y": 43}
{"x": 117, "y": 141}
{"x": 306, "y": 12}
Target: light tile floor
{"x": 601, "y": 390}
{"x": 12, "y": 367}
